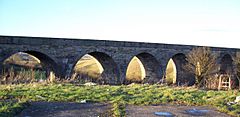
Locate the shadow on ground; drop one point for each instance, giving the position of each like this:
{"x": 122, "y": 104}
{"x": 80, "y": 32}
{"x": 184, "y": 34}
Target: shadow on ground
{"x": 66, "y": 109}
{"x": 71, "y": 109}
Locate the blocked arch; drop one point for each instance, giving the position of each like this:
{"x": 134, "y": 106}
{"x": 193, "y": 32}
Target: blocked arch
{"x": 151, "y": 66}
{"x": 46, "y": 61}
{"x": 226, "y": 63}
{"x": 110, "y": 74}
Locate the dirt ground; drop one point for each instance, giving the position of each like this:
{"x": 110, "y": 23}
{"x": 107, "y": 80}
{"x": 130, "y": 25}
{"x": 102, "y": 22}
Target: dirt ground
{"x": 69, "y": 109}
{"x": 65, "y": 109}
{"x": 175, "y": 110}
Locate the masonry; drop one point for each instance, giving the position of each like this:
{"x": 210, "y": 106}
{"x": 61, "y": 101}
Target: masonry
{"x": 60, "y": 55}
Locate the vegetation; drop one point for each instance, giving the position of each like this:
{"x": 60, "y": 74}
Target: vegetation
{"x": 237, "y": 63}
{"x": 11, "y": 108}
{"x": 23, "y": 59}
{"x": 171, "y": 72}
{"x": 202, "y": 63}
{"x": 88, "y": 67}
{"x": 118, "y": 96}
{"x": 135, "y": 71}
{"x": 22, "y": 68}
{"x": 13, "y": 76}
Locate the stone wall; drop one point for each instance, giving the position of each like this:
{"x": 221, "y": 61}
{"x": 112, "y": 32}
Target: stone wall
{"x": 62, "y": 54}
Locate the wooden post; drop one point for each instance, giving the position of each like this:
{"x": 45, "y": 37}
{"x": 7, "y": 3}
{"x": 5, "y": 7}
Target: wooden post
{"x": 229, "y": 81}
{"x": 51, "y": 77}
{"x": 220, "y": 82}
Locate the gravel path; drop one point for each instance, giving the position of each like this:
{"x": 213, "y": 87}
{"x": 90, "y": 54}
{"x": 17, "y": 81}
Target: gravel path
{"x": 178, "y": 111}
{"x": 65, "y": 109}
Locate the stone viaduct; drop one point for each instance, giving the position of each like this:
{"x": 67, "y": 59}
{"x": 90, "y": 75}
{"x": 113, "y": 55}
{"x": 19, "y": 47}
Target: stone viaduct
{"x": 61, "y": 54}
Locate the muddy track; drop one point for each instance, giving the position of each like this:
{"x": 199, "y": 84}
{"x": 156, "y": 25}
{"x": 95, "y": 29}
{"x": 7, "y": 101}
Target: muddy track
{"x": 72, "y": 109}
{"x": 175, "y": 110}
{"x": 65, "y": 109}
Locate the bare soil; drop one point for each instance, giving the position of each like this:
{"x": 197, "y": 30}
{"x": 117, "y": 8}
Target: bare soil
{"x": 176, "y": 110}
{"x": 66, "y": 109}
{"x": 72, "y": 109}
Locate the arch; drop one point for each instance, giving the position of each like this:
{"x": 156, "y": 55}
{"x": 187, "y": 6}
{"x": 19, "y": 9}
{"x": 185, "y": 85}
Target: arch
{"x": 19, "y": 57}
{"x": 171, "y": 72}
{"x": 109, "y": 73}
{"x": 135, "y": 71}
{"x": 226, "y": 64}
{"x": 149, "y": 64}
{"x": 175, "y": 72}
{"x": 46, "y": 63}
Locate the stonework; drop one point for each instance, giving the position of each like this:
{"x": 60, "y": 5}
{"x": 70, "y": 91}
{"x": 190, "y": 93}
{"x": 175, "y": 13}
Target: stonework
{"x": 60, "y": 54}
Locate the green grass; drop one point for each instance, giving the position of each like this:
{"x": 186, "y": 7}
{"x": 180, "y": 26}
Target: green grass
{"x": 11, "y": 108}
{"x": 119, "y": 96}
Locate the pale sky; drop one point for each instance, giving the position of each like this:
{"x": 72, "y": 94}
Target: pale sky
{"x": 192, "y": 22}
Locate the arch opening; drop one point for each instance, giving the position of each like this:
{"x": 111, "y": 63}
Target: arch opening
{"x": 171, "y": 72}
{"x": 96, "y": 67}
{"x": 135, "y": 71}
{"x": 226, "y": 64}
{"x": 176, "y": 73}
{"x": 28, "y": 66}
{"x": 227, "y": 68}
{"x": 143, "y": 68}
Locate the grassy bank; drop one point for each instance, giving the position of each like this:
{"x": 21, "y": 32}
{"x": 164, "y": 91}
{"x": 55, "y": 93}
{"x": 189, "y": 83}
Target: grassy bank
{"x": 119, "y": 96}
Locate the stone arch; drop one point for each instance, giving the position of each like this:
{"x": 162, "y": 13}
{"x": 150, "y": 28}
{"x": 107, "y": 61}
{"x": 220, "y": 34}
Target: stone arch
{"x": 151, "y": 67}
{"x": 47, "y": 63}
{"x": 110, "y": 73}
{"x": 135, "y": 71}
{"x": 171, "y": 72}
{"x": 175, "y": 72}
{"x": 226, "y": 64}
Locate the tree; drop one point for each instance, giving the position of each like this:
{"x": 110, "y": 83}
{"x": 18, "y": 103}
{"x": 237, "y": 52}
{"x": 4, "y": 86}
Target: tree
{"x": 237, "y": 70}
{"x": 202, "y": 63}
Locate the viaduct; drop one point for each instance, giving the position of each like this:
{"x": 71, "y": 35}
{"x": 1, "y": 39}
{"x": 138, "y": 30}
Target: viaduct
{"x": 61, "y": 55}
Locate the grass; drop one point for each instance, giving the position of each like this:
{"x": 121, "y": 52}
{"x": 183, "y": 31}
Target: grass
{"x": 119, "y": 96}
{"x": 11, "y": 108}
{"x": 23, "y": 59}
{"x": 89, "y": 66}
{"x": 135, "y": 71}
{"x": 171, "y": 72}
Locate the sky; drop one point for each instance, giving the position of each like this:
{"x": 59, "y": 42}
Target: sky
{"x": 190, "y": 22}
